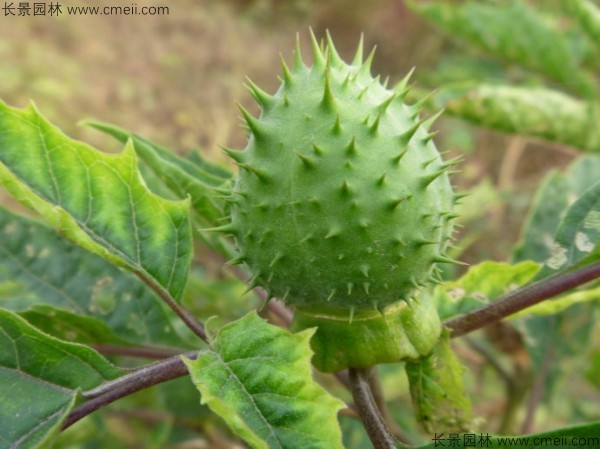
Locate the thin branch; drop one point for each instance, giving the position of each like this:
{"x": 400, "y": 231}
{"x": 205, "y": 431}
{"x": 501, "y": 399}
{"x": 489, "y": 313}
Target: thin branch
{"x": 379, "y": 399}
{"x": 378, "y": 432}
{"x": 521, "y": 299}
{"x": 144, "y": 352}
{"x": 141, "y": 379}
{"x": 186, "y": 316}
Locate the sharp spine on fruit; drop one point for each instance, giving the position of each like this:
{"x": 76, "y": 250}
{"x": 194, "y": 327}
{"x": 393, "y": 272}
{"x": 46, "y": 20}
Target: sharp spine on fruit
{"x": 331, "y": 294}
{"x": 428, "y": 179}
{"x": 318, "y": 151}
{"x": 276, "y": 259}
{"x": 428, "y": 162}
{"x": 445, "y": 259}
{"x": 364, "y": 269}
{"x": 366, "y": 286}
{"x": 337, "y": 128}
{"x": 365, "y": 68}
{"x": 375, "y": 126}
{"x": 381, "y": 180}
{"x": 252, "y": 283}
{"x": 451, "y": 163}
{"x": 402, "y": 87}
{"x": 358, "y": 56}
{"x": 393, "y": 204}
{"x": 264, "y": 100}
{"x": 328, "y": 101}
{"x": 236, "y": 155}
{"x": 288, "y": 76}
{"x": 429, "y": 137}
{"x": 306, "y": 161}
{"x": 425, "y": 242}
{"x": 460, "y": 196}
{"x": 408, "y": 134}
{"x": 396, "y": 159}
{"x": 382, "y": 107}
{"x": 333, "y": 232}
{"x": 414, "y": 283}
{"x": 319, "y": 61}
{"x": 228, "y": 228}
{"x": 419, "y": 105}
{"x": 307, "y": 237}
{"x": 351, "y": 147}
{"x": 333, "y": 54}
{"x": 259, "y": 173}
{"x": 298, "y": 60}
{"x": 346, "y": 189}
{"x": 252, "y": 122}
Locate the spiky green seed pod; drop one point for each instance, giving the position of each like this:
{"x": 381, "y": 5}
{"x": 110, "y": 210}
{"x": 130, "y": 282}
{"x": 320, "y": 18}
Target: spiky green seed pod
{"x": 342, "y": 204}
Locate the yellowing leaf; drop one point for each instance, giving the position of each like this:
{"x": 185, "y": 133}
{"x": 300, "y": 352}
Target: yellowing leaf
{"x": 97, "y": 200}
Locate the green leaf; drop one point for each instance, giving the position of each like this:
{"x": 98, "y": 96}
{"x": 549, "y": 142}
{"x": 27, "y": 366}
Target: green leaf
{"x": 258, "y": 378}
{"x": 554, "y": 341}
{"x": 537, "y": 234}
{"x": 482, "y": 284}
{"x": 73, "y": 294}
{"x": 202, "y": 182}
{"x": 513, "y": 32}
{"x": 40, "y": 378}
{"x": 586, "y": 435}
{"x": 180, "y": 175}
{"x": 438, "y": 392}
{"x": 556, "y": 193}
{"x": 97, "y": 200}
{"x": 578, "y": 235}
{"x": 532, "y": 111}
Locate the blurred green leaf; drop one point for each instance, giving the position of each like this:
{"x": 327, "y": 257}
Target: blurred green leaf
{"x": 555, "y": 342}
{"x": 556, "y": 193}
{"x": 531, "y": 111}
{"x": 40, "y": 378}
{"x": 258, "y": 378}
{"x": 587, "y": 15}
{"x": 513, "y": 32}
{"x": 73, "y": 294}
{"x": 97, "y": 200}
{"x": 592, "y": 374}
{"x": 537, "y": 235}
{"x": 578, "y": 235}
{"x": 482, "y": 284}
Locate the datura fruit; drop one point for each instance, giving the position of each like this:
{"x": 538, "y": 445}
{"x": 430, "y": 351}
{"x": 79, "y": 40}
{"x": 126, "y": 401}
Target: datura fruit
{"x": 342, "y": 208}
